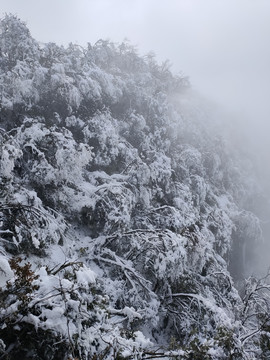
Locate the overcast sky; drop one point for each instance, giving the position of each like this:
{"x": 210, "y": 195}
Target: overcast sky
{"x": 222, "y": 45}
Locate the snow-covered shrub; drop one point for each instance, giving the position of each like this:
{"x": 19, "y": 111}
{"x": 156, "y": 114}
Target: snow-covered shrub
{"x": 26, "y": 228}
{"x": 130, "y": 207}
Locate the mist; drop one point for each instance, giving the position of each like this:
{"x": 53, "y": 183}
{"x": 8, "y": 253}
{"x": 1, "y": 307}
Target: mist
{"x": 222, "y": 46}
{"x": 134, "y": 208}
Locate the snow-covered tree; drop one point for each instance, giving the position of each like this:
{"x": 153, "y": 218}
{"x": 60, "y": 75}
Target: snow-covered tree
{"x": 121, "y": 212}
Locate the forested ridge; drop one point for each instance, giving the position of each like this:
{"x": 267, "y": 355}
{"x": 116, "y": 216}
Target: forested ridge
{"x": 126, "y": 217}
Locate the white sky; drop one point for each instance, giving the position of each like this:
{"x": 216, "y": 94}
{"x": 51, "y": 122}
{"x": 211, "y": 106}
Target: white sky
{"x": 222, "y": 45}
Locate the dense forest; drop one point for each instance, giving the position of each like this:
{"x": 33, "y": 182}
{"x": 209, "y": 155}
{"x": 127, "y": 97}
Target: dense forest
{"x": 128, "y": 221}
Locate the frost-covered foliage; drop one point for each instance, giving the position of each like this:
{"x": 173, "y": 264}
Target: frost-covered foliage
{"x": 120, "y": 211}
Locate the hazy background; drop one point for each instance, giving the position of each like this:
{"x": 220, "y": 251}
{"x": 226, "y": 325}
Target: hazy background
{"x": 222, "y": 45}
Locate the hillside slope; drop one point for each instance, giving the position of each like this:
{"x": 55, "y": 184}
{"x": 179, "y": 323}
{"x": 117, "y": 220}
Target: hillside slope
{"x": 121, "y": 210}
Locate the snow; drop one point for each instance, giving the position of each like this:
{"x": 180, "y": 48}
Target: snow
{"x": 124, "y": 202}
{"x": 6, "y": 273}
{"x": 9, "y": 153}
{"x": 85, "y": 276}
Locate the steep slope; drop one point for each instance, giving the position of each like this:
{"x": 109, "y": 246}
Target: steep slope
{"x": 121, "y": 208}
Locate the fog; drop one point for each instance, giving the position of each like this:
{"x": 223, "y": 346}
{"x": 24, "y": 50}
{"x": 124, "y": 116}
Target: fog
{"x": 218, "y": 43}
{"x": 222, "y": 45}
